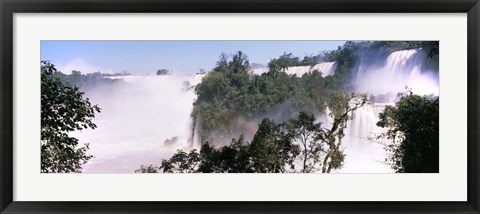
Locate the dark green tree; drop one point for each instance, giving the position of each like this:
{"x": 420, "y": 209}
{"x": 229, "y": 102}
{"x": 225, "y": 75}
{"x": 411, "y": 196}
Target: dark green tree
{"x": 210, "y": 159}
{"x": 233, "y": 158}
{"x": 304, "y": 129}
{"x": 63, "y": 110}
{"x": 282, "y": 63}
{"x": 413, "y": 127}
{"x": 272, "y": 149}
{"x": 180, "y": 162}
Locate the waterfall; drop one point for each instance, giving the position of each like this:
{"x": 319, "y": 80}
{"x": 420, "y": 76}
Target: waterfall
{"x": 401, "y": 69}
{"x": 258, "y": 71}
{"x": 297, "y": 70}
{"x": 364, "y": 153}
{"x": 196, "y": 144}
{"x": 144, "y": 119}
{"x": 382, "y": 80}
{"x": 327, "y": 69}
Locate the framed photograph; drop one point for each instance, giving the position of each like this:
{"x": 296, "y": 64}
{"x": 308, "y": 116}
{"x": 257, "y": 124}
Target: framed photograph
{"x": 239, "y": 106}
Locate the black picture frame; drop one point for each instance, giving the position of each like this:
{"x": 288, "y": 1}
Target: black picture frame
{"x": 9, "y": 7}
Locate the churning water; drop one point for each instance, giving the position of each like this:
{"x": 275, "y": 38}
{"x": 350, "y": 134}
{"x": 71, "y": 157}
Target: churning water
{"x": 145, "y": 119}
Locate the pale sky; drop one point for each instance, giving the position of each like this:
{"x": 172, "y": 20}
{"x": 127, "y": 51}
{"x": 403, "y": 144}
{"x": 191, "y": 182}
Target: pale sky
{"x": 184, "y": 57}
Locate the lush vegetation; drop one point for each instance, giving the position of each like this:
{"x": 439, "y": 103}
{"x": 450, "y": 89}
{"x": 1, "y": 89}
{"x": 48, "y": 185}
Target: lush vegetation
{"x": 288, "y": 139}
{"x": 63, "y": 109}
{"x": 230, "y": 92}
{"x": 301, "y": 145}
{"x": 412, "y": 126}
{"x": 280, "y": 64}
{"x": 274, "y": 148}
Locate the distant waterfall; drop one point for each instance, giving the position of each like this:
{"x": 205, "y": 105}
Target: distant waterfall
{"x": 258, "y": 71}
{"x": 298, "y": 70}
{"x": 327, "y": 69}
{"x": 196, "y": 144}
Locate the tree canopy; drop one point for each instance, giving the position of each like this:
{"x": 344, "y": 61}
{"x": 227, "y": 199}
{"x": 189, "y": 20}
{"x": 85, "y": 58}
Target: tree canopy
{"x": 413, "y": 127}
{"x": 63, "y": 110}
{"x": 230, "y": 92}
{"x": 299, "y": 145}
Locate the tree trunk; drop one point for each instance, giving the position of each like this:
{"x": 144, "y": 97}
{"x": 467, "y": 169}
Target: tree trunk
{"x": 305, "y": 158}
{"x": 325, "y": 161}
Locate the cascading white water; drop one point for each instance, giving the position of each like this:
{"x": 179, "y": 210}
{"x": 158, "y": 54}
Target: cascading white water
{"x": 297, "y": 70}
{"x": 144, "y": 119}
{"x": 401, "y": 69}
{"x": 258, "y": 71}
{"x": 327, "y": 69}
{"x": 364, "y": 153}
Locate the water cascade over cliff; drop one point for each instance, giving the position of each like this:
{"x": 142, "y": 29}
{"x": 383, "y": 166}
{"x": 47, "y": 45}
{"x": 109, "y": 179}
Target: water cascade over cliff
{"x": 382, "y": 81}
{"x": 401, "y": 69}
{"x": 144, "y": 119}
{"x": 327, "y": 69}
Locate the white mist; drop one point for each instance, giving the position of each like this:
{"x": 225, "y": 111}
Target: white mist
{"x": 138, "y": 117}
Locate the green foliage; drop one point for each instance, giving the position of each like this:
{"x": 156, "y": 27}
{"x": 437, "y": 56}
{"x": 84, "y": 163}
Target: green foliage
{"x": 278, "y": 65}
{"x": 63, "y": 110}
{"x": 272, "y": 148}
{"x": 349, "y": 56}
{"x": 304, "y": 129}
{"x": 230, "y": 92}
{"x": 342, "y": 104}
{"x": 238, "y": 63}
{"x": 219, "y": 92}
{"x": 233, "y": 158}
{"x": 275, "y": 66}
{"x": 180, "y": 162}
{"x": 412, "y": 125}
